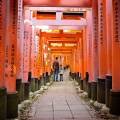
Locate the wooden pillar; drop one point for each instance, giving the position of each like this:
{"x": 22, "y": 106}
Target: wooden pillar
{"x": 75, "y": 57}
{"x": 10, "y": 47}
{"x": 102, "y": 39}
{"x": 78, "y": 58}
{"x": 92, "y": 85}
{"x": 46, "y": 56}
{"x": 80, "y": 65}
{"x": 102, "y": 51}
{"x": 26, "y": 51}
{"x": 11, "y": 56}
{"x": 109, "y": 29}
{"x": 2, "y": 42}
{"x": 81, "y": 61}
{"x": 20, "y": 37}
{"x": 89, "y": 39}
{"x": 71, "y": 62}
{"x": 84, "y": 63}
{"x": 38, "y": 55}
{"x": 78, "y": 54}
{"x": 34, "y": 36}
{"x": 27, "y": 45}
{"x": 95, "y": 39}
{"x": 84, "y": 51}
{"x": 33, "y": 59}
{"x": 74, "y": 60}
{"x": 43, "y": 55}
{"x": 3, "y": 61}
{"x": 49, "y": 60}
{"x": 36, "y": 58}
{"x": 41, "y": 49}
{"x": 88, "y": 51}
{"x": 115, "y": 92}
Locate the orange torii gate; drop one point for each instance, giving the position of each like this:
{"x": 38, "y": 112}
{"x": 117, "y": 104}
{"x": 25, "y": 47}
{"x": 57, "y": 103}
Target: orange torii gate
{"x": 3, "y": 60}
{"x": 10, "y": 70}
{"x": 102, "y": 43}
{"x": 25, "y": 59}
{"x": 115, "y": 92}
{"x": 26, "y": 53}
{"x": 109, "y": 29}
{"x": 95, "y": 69}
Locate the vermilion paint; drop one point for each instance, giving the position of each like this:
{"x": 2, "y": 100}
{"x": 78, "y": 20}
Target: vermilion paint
{"x": 84, "y": 52}
{"x": 109, "y": 29}
{"x": 81, "y": 57}
{"x": 102, "y": 38}
{"x": 116, "y": 46}
{"x": 26, "y": 52}
{"x": 2, "y": 42}
{"x": 89, "y": 38}
{"x": 20, "y": 37}
{"x": 11, "y": 45}
{"x": 95, "y": 62}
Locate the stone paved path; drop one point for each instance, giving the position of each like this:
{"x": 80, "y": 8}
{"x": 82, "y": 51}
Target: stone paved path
{"x": 61, "y": 102}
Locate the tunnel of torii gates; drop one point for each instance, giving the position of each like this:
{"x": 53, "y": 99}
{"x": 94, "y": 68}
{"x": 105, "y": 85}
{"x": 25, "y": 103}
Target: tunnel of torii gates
{"x": 84, "y": 34}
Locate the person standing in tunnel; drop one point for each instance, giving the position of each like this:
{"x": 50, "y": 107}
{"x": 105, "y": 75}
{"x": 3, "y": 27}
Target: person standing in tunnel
{"x": 56, "y": 69}
{"x": 61, "y": 73}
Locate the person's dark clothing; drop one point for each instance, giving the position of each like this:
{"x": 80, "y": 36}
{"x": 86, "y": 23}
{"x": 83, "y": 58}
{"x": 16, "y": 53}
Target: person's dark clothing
{"x": 56, "y": 70}
{"x": 56, "y": 66}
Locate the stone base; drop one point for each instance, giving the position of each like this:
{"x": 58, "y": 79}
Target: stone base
{"x": 77, "y": 77}
{"x": 101, "y": 90}
{"x": 89, "y": 90}
{"x": 29, "y": 76}
{"x": 12, "y": 105}
{"x": 70, "y": 73}
{"x": 26, "y": 91}
{"x": 44, "y": 79}
{"x": 47, "y": 77}
{"x": 94, "y": 91}
{"x": 32, "y": 85}
{"x": 81, "y": 84}
{"x": 73, "y": 76}
{"x": 108, "y": 86}
{"x": 3, "y": 103}
{"x": 36, "y": 84}
{"x": 87, "y": 76}
{"x": 115, "y": 102}
{"x": 79, "y": 81}
{"x": 84, "y": 85}
{"x": 39, "y": 83}
{"x": 19, "y": 89}
{"x": 22, "y": 92}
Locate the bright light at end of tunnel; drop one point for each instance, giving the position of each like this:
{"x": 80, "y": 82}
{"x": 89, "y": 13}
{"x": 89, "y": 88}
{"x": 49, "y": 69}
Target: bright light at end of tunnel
{"x": 45, "y": 55}
{"x": 70, "y": 44}
{"x": 48, "y": 49}
{"x": 27, "y": 21}
{"x": 56, "y": 44}
{"x": 51, "y": 30}
{"x": 42, "y": 27}
{"x": 37, "y": 37}
{"x": 44, "y": 46}
{"x": 71, "y": 31}
{"x": 47, "y": 30}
